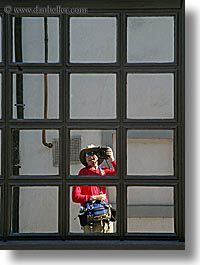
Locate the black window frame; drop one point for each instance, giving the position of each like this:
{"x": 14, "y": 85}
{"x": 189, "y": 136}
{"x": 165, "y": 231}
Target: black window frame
{"x": 120, "y": 240}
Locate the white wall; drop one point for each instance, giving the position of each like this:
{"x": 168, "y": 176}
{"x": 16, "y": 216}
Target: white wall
{"x": 33, "y": 44}
{"x": 35, "y": 158}
{"x": 150, "y": 39}
{"x": 33, "y": 96}
{"x": 150, "y": 96}
{"x": 150, "y": 209}
{"x": 93, "y": 96}
{"x": 38, "y": 209}
{"x": 97, "y": 37}
{"x": 0, "y": 39}
{"x": 150, "y": 157}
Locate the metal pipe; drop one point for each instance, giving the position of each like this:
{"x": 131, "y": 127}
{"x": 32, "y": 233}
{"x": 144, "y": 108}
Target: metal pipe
{"x": 44, "y": 141}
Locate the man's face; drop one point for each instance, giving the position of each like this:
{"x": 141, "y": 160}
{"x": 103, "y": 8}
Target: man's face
{"x": 91, "y": 159}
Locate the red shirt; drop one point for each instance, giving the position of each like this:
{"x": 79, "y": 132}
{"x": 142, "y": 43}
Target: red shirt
{"x": 82, "y": 194}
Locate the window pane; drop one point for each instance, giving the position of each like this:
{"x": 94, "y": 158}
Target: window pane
{"x": 36, "y": 39}
{"x": 75, "y": 226}
{"x": 150, "y": 209}
{"x": 1, "y": 217}
{"x": 93, "y": 96}
{"x": 150, "y": 96}
{"x": 80, "y": 139}
{"x": 150, "y": 152}
{"x": 97, "y": 36}
{"x": 0, "y": 96}
{"x": 150, "y": 39}
{"x": 36, "y": 96}
{"x": 0, "y": 152}
{"x": 34, "y": 209}
{"x": 31, "y": 156}
{"x": 0, "y": 39}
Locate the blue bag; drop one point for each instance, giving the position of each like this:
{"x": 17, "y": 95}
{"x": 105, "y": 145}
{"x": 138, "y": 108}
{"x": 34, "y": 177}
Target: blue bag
{"x": 95, "y": 211}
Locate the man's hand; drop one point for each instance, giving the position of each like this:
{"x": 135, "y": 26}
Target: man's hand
{"x": 100, "y": 197}
{"x": 109, "y": 152}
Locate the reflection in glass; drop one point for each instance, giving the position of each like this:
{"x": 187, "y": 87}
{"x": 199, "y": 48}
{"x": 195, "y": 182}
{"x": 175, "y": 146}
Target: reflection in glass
{"x": 0, "y": 95}
{"x": 150, "y": 209}
{"x": 150, "y": 39}
{"x": 0, "y": 38}
{"x": 36, "y": 96}
{"x": 31, "y": 156}
{"x": 97, "y": 36}
{"x": 150, "y": 152}
{"x": 0, "y": 212}
{"x": 93, "y": 96}
{"x": 150, "y": 96}
{"x": 36, "y": 39}
{"x": 79, "y": 139}
{"x": 74, "y": 209}
{"x": 0, "y": 152}
{"x": 34, "y": 209}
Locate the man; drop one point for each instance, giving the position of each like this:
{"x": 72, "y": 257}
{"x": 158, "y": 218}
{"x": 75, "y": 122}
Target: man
{"x": 82, "y": 194}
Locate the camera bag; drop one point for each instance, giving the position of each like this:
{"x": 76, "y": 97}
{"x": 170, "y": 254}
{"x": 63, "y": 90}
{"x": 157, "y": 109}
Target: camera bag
{"x": 96, "y": 211}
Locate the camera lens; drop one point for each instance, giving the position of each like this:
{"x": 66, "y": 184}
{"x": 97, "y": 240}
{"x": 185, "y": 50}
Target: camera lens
{"x": 102, "y": 153}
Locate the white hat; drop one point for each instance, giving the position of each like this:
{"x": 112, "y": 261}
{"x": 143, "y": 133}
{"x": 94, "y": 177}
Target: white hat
{"x": 89, "y": 148}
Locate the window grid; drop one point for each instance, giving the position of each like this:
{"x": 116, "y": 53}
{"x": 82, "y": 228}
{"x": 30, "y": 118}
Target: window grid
{"x": 122, "y": 123}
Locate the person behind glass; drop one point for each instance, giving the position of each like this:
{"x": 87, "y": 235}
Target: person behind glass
{"x": 84, "y": 194}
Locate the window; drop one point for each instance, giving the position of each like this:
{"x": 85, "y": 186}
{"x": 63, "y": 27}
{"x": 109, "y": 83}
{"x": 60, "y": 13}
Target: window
{"x": 75, "y": 147}
{"x": 109, "y": 75}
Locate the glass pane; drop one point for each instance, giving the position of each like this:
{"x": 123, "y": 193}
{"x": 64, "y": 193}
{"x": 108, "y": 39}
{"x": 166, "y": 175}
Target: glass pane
{"x": 80, "y": 139}
{"x": 97, "y": 36}
{"x": 34, "y": 209}
{"x": 0, "y": 152}
{"x": 36, "y": 39}
{"x": 0, "y": 39}
{"x": 150, "y": 96}
{"x": 0, "y": 96}
{"x": 150, "y": 152}
{"x": 36, "y": 96}
{"x": 76, "y": 200}
{"x": 150, "y": 209}
{"x": 1, "y": 217}
{"x": 35, "y": 152}
{"x": 93, "y": 96}
{"x": 150, "y": 39}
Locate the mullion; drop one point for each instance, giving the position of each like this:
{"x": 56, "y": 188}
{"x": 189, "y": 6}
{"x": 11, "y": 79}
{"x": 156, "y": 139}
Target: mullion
{"x": 121, "y": 140}
{"x": 181, "y": 177}
{"x": 122, "y": 165}
{"x": 63, "y": 139}
{"x": 5, "y": 132}
{"x": 122, "y": 114}
{"x": 66, "y": 162}
{"x": 181, "y": 118}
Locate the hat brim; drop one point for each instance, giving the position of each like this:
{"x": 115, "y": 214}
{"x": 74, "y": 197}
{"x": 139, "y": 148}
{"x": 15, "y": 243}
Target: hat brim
{"x": 83, "y": 155}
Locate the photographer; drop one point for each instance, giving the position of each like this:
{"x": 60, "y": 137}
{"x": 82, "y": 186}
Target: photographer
{"x": 91, "y": 157}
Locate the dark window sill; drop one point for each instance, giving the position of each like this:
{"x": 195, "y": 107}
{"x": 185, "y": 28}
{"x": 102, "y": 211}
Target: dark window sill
{"x": 92, "y": 245}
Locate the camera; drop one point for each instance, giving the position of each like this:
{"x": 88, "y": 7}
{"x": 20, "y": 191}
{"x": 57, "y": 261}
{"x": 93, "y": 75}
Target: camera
{"x": 101, "y": 153}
